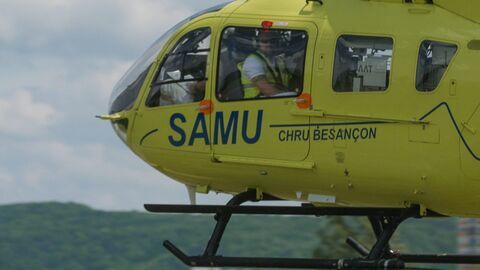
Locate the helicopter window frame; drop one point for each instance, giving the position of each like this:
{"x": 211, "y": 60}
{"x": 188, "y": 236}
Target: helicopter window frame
{"x": 259, "y": 29}
{"x": 442, "y": 73}
{"x": 156, "y": 83}
{"x": 157, "y": 74}
{"x": 370, "y": 89}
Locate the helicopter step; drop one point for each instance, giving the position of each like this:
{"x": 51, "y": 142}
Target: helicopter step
{"x": 384, "y": 221}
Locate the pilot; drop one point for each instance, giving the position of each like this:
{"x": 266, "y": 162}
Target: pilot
{"x": 264, "y": 73}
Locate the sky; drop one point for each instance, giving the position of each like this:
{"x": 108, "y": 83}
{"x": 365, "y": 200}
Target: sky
{"x": 59, "y": 60}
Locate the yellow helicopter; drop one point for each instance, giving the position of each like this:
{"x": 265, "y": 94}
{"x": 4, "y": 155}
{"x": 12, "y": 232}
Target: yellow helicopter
{"x": 353, "y": 107}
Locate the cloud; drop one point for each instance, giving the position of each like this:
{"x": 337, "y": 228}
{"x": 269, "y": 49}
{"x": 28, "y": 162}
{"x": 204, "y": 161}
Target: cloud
{"x": 5, "y": 177}
{"x": 60, "y": 60}
{"x": 7, "y": 30}
{"x": 93, "y": 174}
{"x": 20, "y": 114}
{"x": 83, "y": 48}
{"x": 87, "y": 28}
{"x": 8, "y": 187}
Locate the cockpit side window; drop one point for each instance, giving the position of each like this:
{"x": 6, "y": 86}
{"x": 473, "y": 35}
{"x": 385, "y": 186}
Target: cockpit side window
{"x": 362, "y": 63}
{"x": 256, "y": 63}
{"x": 182, "y": 75}
{"x": 433, "y": 60}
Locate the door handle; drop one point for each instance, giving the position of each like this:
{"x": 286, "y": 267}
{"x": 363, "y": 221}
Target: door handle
{"x": 469, "y": 128}
{"x": 299, "y": 100}
{"x": 304, "y": 101}
{"x": 205, "y": 106}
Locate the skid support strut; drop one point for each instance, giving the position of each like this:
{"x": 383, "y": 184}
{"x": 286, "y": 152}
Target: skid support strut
{"x": 384, "y": 221}
{"x": 222, "y": 218}
{"x": 384, "y": 228}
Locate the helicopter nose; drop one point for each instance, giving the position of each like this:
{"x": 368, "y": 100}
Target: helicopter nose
{"x": 121, "y": 128}
{"x": 123, "y": 99}
{"x": 125, "y": 94}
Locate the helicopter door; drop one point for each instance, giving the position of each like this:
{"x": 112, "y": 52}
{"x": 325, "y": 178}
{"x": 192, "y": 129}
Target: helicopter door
{"x": 169, "y": 118}
{"x": 262, "y": 77}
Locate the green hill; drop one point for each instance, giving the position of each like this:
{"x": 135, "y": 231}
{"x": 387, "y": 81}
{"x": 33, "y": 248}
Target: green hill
{"x": 51, "y": 236}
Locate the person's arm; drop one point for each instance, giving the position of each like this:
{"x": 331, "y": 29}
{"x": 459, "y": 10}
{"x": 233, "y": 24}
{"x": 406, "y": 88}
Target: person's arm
{"x": 253, "y": 69}
{"x": 265, "y": 87}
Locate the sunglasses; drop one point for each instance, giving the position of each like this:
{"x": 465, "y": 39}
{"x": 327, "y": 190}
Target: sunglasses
{"x": 266, "y": 41}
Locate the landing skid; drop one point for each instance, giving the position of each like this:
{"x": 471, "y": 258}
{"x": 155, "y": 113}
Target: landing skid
{"x": 384, "y": 221}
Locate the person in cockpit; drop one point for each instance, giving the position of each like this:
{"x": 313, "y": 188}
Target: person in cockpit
{"x": 264, "y": 72}
{"x": 182, "y": 91}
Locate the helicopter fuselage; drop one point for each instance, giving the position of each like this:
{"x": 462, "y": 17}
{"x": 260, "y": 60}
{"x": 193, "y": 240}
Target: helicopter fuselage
{"x": 384, "y": 112}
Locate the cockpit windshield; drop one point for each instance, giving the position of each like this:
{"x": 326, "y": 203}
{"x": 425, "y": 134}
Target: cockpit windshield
{"x": 126, "y": 90}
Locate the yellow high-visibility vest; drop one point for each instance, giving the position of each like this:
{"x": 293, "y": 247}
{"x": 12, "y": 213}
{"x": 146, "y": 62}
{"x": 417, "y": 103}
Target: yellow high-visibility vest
{"x": 277, "y": 75}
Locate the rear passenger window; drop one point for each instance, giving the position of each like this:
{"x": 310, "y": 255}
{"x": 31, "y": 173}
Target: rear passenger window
{"x": 433, "y": 60}
{"x": 362, "y": 63}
